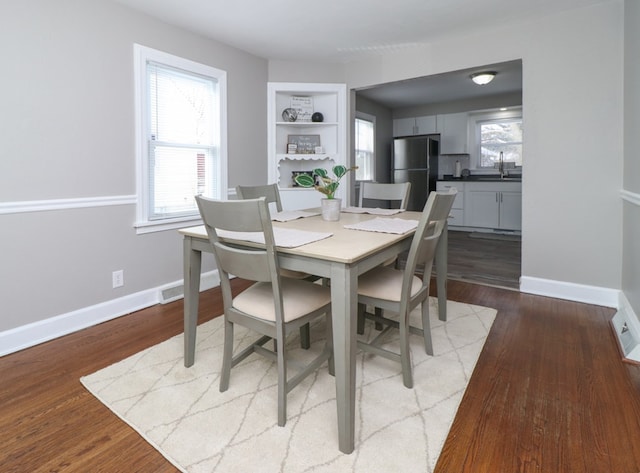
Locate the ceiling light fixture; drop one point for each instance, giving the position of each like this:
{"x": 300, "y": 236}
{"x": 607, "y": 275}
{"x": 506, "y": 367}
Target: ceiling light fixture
{"x": 482, "y": 78}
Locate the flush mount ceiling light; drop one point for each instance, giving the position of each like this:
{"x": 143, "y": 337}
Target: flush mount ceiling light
{"x": 482, "y": 78}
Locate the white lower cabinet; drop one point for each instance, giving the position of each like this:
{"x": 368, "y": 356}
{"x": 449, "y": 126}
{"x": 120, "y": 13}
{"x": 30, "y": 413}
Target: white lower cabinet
{"x": 456, "y": 216}
{"x": 494, "y": 205}
{"x": 511, "y": 210}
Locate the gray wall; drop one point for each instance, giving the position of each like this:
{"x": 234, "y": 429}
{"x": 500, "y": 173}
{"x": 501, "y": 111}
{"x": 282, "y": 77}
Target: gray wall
{"x": 573, "y": 116}
{"x": 67, "y": 122}
{"x": 631, "y": 225}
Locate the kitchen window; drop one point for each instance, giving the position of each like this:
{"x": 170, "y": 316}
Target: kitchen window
{"x": 365, "y": 147}
{"x": 181, "y": 152}
{"x": 496, "y": 136}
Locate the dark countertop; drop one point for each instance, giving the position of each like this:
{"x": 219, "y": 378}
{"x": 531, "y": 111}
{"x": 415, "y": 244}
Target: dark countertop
{"x": 482, "y": 178}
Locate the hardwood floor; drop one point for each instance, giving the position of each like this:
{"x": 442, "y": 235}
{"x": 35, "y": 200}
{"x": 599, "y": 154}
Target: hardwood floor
{"x": 477, "y": 259}
{"x": 549, "y": 394}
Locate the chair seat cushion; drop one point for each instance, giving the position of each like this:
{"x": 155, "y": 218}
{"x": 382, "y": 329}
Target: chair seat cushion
{"x": 385, "y": 283}
{"x": 299, "y": 298}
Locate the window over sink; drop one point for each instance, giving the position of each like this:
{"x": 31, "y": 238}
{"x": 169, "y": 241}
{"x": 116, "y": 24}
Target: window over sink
{"x": 498, "y": 136}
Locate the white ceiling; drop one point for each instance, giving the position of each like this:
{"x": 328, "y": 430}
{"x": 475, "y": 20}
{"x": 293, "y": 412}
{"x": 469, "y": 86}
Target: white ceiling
{"x": 340, "y": 31}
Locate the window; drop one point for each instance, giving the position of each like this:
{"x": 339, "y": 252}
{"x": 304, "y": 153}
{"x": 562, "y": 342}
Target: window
{"x": 499, "y": 136}
{"x": 365, "y": 147}
{"x": 181, "y": 119}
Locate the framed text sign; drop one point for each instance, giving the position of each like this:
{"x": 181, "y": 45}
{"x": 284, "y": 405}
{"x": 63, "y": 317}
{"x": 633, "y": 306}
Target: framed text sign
{"x": 305, "y": 144}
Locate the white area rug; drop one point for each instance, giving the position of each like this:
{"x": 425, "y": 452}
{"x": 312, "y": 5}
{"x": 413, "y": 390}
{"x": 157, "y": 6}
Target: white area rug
{"x": 181, "y": 412}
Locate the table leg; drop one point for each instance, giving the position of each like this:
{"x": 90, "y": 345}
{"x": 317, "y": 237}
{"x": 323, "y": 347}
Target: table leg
{"x": 192, "y": 266}
{"x": 441, "y": 272}
{"x": 344, "y": 286}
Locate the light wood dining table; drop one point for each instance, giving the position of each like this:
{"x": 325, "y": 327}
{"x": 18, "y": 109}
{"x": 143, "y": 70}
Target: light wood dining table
{"x": 341, "y": 258}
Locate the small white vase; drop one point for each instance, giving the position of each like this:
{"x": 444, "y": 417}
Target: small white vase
{"x": 331, "y": 209}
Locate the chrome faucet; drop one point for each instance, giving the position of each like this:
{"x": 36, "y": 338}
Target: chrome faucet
{"x": 501, "y": 165}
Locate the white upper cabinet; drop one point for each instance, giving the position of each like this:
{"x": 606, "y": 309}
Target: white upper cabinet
{"x": 453, "y": 129}
{"x": 415, "y": 126}
{"x": 427, "y": 125}
{"x": 319, "y": 144}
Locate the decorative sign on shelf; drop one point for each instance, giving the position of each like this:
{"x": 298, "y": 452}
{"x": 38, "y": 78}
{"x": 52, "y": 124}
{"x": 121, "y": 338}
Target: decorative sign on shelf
{"x": 304, "y": 144}
{"x": 303, "y": 106}
{"x": 298, "y": 173}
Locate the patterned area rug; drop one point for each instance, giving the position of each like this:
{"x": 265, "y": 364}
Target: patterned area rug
{"x": 181, "y": 413}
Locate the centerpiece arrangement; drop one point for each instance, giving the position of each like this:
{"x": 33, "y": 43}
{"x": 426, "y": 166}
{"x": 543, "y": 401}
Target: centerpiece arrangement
{"x": 328, "y": 186}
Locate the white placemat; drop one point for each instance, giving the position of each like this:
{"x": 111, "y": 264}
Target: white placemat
{"x": 287, "y": 215}
{"x": 373, "y": 211}
{"x": 284, "y": 237}
{"x": 385, "y": 225}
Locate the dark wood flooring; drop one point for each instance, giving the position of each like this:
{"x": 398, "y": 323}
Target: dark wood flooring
{"x": 549, "y": 394}
{"x": 483, "y": 260}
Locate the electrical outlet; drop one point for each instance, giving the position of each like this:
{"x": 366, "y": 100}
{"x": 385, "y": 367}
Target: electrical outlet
{"x": 118, "y": 278}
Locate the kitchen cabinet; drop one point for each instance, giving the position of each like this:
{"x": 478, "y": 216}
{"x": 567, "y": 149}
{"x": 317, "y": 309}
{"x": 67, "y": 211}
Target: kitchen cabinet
{"x": 456, "y": 215}
{"x": 451, "y": 126}
{"x": 331, "y": 133}
{"x": 415, "y": 126}
{"x": 453, "y": 129}
{"x": 494, "y": 205}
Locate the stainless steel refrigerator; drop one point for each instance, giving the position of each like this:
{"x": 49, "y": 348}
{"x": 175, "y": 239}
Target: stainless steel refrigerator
{"x": 415, "y": 160}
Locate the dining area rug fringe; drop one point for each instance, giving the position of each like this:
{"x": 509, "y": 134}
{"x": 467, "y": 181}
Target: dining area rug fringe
{"x": 182, "y": 414}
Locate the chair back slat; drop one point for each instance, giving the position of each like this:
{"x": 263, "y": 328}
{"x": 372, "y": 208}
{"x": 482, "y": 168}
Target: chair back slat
{"x": 259, "y": 264}
{"x": 269, "y": 191}
{"x": 252, "y": 265}
{"x": 425, "y": 240}
{"x": 393, "y": 193}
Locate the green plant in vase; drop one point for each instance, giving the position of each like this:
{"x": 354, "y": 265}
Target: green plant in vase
{"x": 324, "y": 184}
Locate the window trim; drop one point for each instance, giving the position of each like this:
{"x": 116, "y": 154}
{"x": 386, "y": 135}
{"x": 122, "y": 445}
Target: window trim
{"x": 142, "y": 55}
{"x": 490, "y": 116}
{"x": 370, "y": 118}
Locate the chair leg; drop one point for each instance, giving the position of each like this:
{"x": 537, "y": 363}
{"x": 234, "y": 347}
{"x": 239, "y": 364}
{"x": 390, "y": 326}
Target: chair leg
{"x": 282, "y": 386}
{"x": 379, "y": 313}
{"x": 305, "y": 336}
{"x": 329, "y": 344}
{"x": 227, "y": 355}
{"x": 361, "y": 309}
{"x": 405, "y": 353}
{"x": 426, "y": 328}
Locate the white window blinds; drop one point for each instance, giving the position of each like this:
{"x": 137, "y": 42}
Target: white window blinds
{"x": 183, "y": 140}
{"x": 364, "y": 146}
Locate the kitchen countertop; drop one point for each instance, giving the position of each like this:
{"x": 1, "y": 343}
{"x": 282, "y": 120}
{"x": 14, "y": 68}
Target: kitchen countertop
{"x": 482, "y": 178}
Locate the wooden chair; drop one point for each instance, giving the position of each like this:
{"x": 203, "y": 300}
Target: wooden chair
{"x": 400, "y": 291}
{"x": 274, "y": 306}
{"x": 269, "y": 191}
{"x": 272, "y": 196}
{"x": 394, "y": 194}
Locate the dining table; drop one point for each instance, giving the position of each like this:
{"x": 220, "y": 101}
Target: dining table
{"x": 340, "y": 258}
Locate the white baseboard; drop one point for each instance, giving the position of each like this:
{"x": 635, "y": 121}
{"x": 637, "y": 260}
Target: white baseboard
{"x": 33, "y": 334}
{"x": 573, "y": 292}
{"x": 29, "y": 335}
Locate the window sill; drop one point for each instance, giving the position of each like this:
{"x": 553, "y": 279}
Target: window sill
{"x": 152, "y": 227}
